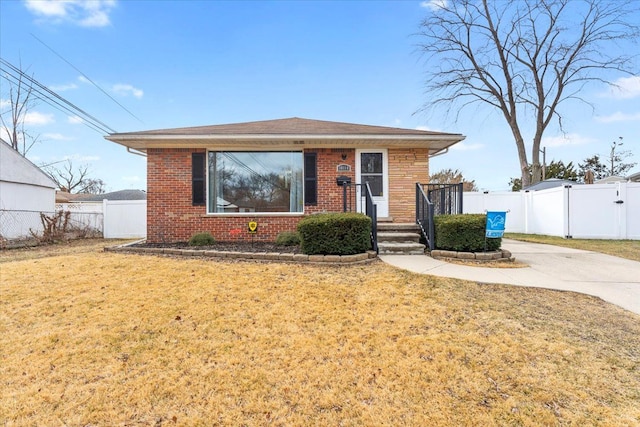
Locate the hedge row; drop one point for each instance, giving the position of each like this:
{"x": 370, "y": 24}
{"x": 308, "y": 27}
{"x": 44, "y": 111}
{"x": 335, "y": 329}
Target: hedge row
{"x": 464, "y": 233}
{"x": 335, "y": 234}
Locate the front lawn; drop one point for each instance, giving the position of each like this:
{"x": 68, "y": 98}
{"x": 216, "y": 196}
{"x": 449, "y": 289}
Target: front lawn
{"x": 629, "y": 249}
{"x": 99, "y": 339}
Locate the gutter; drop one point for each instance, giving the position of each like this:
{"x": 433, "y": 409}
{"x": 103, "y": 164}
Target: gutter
{"x": 439, "y": 153}
{"x": 136, "y": 152}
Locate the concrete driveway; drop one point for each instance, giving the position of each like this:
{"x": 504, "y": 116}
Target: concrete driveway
{"x": 613, "y": 279}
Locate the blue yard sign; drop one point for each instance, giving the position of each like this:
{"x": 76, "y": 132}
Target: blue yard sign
{"x": 495, "y": 224}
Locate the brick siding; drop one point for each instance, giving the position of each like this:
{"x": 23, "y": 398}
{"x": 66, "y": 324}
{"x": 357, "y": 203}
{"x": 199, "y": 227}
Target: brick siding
{"x": 406, "y": 167}
{"x": 330, "y": 195}
{"x": 172, "y": 218}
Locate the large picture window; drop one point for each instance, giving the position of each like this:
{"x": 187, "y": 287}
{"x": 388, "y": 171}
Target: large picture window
{"x": 255, "y": 181}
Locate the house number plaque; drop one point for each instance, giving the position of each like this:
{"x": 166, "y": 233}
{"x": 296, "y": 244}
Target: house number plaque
{"x": 253, "y": 227}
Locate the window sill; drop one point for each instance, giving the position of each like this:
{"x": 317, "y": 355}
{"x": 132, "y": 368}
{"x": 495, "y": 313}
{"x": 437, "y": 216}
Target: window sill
{"x": 249, "y": 214}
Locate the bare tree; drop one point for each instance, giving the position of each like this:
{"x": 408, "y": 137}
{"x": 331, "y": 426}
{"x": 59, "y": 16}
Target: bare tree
{"x": 74, "y": 179}
{"x": 20, "y": 101}
{"x": 451, "y": 176}
{"x": 616, "y": 159}
{"x": 523, "y": 58}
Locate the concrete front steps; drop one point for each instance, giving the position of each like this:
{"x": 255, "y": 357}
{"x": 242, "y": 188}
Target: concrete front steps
{"x": 399, "y": 239}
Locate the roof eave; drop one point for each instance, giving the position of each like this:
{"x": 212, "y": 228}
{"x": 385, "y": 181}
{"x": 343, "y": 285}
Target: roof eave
{"x": 244, "y": 142}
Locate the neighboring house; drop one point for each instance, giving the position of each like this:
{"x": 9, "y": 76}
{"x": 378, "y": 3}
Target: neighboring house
{"x": 611, "y": 180}
{"x": 634, "y": 178}
{"x": 64, "y": 197}
{"x": 550, "y": 183}
{"x": 217, "y": 178}
{"x": 25, "y": 192}
{"x": 114, "y": 195}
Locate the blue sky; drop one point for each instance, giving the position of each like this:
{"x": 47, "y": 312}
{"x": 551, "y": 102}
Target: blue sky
{"x": 189, "y": 63}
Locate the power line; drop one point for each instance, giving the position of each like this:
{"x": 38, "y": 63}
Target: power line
{"x": 87, "y": 77}
{"x": 15, "y": 75}
{"x": 61, "y": 104}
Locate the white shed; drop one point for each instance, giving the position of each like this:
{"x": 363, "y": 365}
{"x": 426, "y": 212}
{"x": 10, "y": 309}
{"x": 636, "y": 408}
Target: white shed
{"x": 25, "y": 192}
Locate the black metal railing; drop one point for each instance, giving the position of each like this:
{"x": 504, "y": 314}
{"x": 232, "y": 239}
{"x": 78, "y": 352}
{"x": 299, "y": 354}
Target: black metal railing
{"x": 432, "y": 200}
{"x": 372, "y": 212}
{"x": 424, "y": 216}
{"x": 446, "y": 198}
{"x": 358, "y": 198}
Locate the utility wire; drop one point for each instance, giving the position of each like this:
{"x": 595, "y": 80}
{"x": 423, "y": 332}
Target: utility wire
{"x": 87, "y": 77}
{"x": 50, "y": 97}
{"x": 43, "y": 96}
{"x": 53, "y": 103}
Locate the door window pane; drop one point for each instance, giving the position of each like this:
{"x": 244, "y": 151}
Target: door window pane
{"x": 371, "y": 172}
{"x": 375, "y": 183}
{"x": 371, "y": 163}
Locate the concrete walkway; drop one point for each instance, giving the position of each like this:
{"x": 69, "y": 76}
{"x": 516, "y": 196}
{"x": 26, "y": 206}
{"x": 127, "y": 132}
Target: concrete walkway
{"x": 613, "y": 279}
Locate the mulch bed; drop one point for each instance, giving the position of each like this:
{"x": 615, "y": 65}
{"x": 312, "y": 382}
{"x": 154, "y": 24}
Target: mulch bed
{"x": 227, "y": 247}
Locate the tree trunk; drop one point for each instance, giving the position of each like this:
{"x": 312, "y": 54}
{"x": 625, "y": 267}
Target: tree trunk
{"x": 536, "y": 173}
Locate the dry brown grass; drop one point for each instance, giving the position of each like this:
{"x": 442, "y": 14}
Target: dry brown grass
{"x": 629, "y": 249}
{"x": 106, "y": 339}
{"x": 61, "y": 248}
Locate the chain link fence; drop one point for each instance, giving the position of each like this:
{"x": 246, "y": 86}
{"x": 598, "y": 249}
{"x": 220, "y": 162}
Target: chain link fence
{"x": 22, "y": 227}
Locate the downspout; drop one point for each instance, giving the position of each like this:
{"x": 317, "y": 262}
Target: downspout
{"x": 136, "y": 152}
{"x": 439, "y": 153}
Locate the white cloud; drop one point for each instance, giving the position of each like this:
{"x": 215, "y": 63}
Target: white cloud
{"x": 568, "y": 139}
{"x": 125, "y": 90}
{"x": 80, "y": 158}
{"x": 49, "y": 8}
{"x": 85, "y": 13}
{"x": 74, "y": 120}
{"x": 63, "y": 87}
{"x": 625, "y": 88}
{"x": 434, "y": 4}
{"x": 619, "y": 117}
{"x": 4, "y": 103}
{"x": 464, "y": 146}
{"x": 56, "y": 137}
{"x": 36, "y": 118}
{"x": 428, "y": 129}
{"x": 132, "y": 179}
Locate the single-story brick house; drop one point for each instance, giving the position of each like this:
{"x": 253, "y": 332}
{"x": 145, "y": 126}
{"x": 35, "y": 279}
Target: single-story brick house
{"x": 218, "y": 178}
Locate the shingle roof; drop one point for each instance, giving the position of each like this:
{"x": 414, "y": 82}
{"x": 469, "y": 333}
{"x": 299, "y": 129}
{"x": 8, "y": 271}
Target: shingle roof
{"x": 284, "y": 134}
{"x": 550, "y": 183}
{"x": 290, "y": 126}
{"x": 114, "y": 195}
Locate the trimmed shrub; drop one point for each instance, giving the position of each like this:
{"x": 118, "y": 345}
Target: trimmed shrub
{"x": 464, "y": 233}
{"x": 335, "y": 234}
{"x": 202, "y": 239}
{"x": 288, "y": 238}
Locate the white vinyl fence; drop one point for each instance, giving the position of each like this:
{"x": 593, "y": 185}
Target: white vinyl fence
{"x": 597, "y": 211}
{"x": 116, "y": 219}
{"x": 125, "y": 219}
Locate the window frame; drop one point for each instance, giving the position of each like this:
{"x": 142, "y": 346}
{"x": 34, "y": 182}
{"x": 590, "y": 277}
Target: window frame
{"x": 248, "y": 214}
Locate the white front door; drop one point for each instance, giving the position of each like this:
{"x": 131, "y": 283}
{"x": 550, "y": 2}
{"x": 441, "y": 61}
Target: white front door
{"x": 372, "y": 167}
